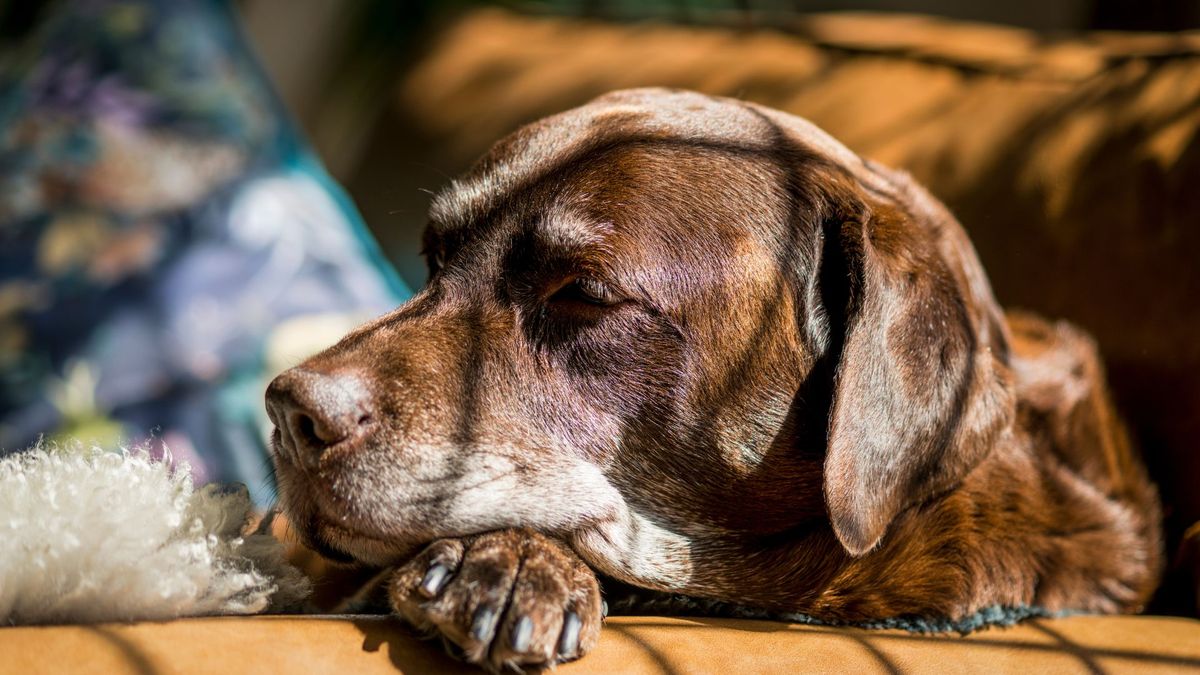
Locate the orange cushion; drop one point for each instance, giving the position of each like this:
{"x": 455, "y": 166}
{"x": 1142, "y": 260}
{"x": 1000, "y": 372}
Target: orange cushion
{"x": 364, "y": 645}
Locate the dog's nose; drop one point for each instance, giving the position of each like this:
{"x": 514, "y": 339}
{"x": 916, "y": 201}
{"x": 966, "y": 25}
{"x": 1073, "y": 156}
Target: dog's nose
{"x": 314, "y": 411}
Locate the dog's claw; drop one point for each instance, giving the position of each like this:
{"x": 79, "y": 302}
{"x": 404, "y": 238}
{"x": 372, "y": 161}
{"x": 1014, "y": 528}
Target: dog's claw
{"x": 568, "y": 643}
{"x": 504, "y": 599}
{"x": 521, "y": 633}
{"x": 434, "y": 579}
{"x": 482, "y": 624}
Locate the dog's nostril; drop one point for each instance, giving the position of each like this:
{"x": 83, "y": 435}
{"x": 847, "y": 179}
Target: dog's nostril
{"x": 315, "y": 411}
{"x": 309, "y": 431}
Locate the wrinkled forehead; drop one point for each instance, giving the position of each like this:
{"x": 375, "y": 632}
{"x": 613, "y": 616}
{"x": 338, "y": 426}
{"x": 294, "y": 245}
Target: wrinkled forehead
{"x": 665, "y": 122}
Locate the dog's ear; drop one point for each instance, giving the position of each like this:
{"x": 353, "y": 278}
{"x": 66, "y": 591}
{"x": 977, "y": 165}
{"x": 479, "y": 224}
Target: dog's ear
{"x": 922, "y": 388}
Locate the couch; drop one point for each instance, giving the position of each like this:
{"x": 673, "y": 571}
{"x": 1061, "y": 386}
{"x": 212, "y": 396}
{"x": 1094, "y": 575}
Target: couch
{"x": 1070, "y": 160}
{"x": 1074, "y": 163}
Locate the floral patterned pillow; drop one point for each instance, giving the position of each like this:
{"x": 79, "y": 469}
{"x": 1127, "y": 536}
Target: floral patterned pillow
{"x": 167, "y": 241}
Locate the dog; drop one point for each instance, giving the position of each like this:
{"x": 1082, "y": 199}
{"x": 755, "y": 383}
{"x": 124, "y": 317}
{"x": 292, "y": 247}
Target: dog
{"x": 698, "y": 346}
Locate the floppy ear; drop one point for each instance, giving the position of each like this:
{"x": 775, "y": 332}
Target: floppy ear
{"x": 922, "y": 388}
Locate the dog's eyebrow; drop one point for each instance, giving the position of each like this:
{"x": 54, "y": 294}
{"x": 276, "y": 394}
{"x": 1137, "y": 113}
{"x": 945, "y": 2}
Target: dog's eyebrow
{"x": 567, "y": 231}
{"x": 455, "y": 205}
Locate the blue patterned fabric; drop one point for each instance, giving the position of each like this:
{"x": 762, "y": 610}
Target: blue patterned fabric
{"x": 167, "y": 242}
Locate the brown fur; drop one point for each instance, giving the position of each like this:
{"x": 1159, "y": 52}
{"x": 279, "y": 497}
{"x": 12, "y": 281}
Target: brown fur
{"x": 782, "y": 382}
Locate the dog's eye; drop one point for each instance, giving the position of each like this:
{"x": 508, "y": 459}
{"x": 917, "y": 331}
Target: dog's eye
{"x": 435, "y": 259}
{"x": 586, "y": 291}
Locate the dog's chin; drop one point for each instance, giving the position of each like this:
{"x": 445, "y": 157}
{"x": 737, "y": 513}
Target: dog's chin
{"x": 340, "y": 541}
{"x": 343, "y": 545}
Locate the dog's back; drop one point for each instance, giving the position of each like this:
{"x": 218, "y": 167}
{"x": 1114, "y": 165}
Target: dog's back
{"x": 1064, "y": 404}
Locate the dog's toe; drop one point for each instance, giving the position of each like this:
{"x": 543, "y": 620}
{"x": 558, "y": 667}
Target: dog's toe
{"x": 553, "y": 612}
{"x": 421, "y": 581}
{"x": 507, "y": 599}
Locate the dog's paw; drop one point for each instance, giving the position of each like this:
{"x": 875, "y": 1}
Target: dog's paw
{"x": 509, "y": 598}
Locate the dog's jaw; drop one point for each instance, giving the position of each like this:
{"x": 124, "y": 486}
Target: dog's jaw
{"x": 379, "y": 523}
{"x": 630, "y": 547}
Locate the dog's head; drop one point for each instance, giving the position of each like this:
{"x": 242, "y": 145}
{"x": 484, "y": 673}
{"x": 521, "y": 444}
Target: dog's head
{"x": 655, "y": 323}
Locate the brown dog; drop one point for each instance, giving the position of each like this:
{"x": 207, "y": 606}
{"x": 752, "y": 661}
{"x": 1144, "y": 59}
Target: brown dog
{"x": 699, "y": 346}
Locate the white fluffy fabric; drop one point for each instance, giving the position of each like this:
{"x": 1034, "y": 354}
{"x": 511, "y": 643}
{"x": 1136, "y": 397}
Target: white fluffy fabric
{"x": 89, "y": 536}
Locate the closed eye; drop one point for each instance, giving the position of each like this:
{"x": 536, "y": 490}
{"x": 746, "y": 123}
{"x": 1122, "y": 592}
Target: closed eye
{"x": 433, "y": 249}
{"x": 585, "y": 292}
